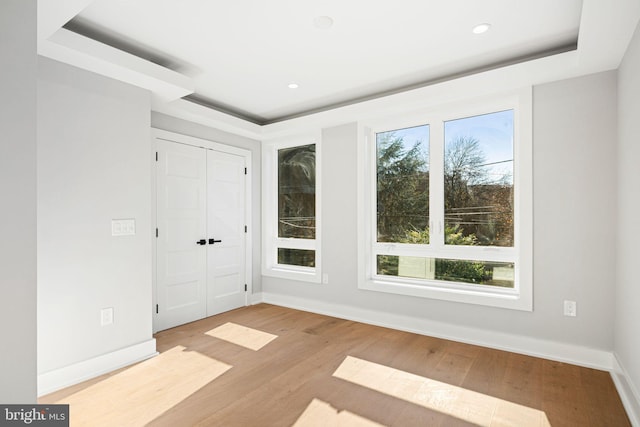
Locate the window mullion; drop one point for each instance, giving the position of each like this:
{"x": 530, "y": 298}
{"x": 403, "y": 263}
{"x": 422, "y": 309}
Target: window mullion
{"x": 436, "y": 185}
{"x": 292, "y": 243}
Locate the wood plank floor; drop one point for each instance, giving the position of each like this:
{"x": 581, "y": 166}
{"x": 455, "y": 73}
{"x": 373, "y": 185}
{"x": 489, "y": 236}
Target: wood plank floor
{"x": 271, "y": 366}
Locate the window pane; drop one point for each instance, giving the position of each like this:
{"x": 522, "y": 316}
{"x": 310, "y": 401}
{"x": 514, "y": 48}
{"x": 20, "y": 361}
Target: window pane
{"x": 467, "y": 271}
{"x": 478, "y": 188}
{"x": 403, "y": 184}
{"x": 300, "y": 257}
{"x": 297, "y": 192}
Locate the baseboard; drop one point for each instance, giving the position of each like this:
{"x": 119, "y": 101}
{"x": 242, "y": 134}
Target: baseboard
{"x": 628, "y": 392}
{"x": 255, "y": 298}
{"x": 561, "y": 352}
{"x": 82, "y": 371}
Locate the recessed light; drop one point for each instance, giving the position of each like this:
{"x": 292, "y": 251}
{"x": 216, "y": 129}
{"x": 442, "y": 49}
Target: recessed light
{"x": 292, "y": 85}
{"x": 323, "y": 22}
{"x": 481, "y": 28}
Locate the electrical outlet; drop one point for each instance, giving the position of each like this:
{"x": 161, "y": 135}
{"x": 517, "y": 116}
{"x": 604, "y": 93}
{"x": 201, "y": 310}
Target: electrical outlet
{"x": 325, "y": 278}
{"x": 106, "y": 316}
{"x": 570, "y": 308}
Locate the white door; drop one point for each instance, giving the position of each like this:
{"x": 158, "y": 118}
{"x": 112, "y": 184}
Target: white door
{"x": 226, "y": 253}
{"x": 201, "y": 237}
{"x": 181, "y": 172}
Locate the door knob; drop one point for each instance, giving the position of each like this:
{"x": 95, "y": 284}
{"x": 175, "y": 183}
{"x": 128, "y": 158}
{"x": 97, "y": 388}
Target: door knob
{"x": 212, "y": 241}
{"x": 201, "y": 242}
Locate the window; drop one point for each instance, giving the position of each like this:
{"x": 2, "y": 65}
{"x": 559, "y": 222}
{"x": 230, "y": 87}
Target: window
{"x": 402, "y": 180}
{"x": 448, "y": 202}
{"x": 291, "y": 223}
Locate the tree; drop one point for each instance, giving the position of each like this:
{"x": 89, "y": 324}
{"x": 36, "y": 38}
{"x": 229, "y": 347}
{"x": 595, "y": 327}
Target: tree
{"x": 297, "y": 192}
{"x": 402, "y": 187}
{"x": 479, "y": 203}
{"x": 463, "y": 160}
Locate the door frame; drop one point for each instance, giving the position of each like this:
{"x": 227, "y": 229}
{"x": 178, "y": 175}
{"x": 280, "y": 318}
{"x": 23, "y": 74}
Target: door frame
{"x": 159, "y": 134}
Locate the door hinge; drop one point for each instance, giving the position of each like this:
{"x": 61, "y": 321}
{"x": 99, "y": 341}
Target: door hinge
{"x": 156, "y": 308}
{"x": 245, "y": 287}
{"x": 156, "y": 232}
{"x": 156, "y": 156}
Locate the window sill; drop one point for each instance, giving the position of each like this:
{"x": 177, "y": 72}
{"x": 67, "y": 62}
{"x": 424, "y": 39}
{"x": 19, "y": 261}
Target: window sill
{"x": 301, "y": 274}
{"x": 502, "y": 298}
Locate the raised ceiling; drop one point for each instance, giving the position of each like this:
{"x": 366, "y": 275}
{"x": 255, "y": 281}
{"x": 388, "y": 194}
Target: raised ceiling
{"x": 241, "y": 55}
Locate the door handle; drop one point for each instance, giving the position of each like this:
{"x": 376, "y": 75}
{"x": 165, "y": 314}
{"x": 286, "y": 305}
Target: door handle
{"x": 212, "y": 241}
{"x": 201, "y": 242}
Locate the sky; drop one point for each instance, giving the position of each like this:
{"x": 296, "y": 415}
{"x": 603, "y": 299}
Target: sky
{"x": 494, "y": 132}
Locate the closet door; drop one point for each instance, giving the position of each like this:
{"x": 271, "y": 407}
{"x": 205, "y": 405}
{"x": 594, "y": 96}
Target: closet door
{"x": 181, "y": 173}
{"x": 226, "y": 251}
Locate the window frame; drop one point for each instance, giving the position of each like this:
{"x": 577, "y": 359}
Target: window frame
{"x": 520, "y": 297}
{"x": 271, "y": 240}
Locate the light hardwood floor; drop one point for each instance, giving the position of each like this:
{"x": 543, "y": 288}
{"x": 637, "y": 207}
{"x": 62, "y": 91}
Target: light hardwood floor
{"x": 271, "y": 366}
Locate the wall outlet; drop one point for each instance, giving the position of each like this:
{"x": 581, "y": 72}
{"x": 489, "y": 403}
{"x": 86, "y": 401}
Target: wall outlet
{"x": 570, "y": 308}
{"x": 325, "y": 278}
{"x": 106, "y": 316}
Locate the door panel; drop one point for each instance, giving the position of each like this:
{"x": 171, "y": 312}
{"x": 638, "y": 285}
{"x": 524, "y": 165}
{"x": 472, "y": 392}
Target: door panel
{"x": 226, "y": 220}
{"x": 182, "y": 294}
{"x": 181, "y": 218}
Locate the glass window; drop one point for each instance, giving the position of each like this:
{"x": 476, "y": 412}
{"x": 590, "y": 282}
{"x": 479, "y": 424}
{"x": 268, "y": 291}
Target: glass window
{"x": 402, "y": 183}
{"x": 478, "y": 180}
{"x": 463, "y": 271}
{"x": 476, "y": 184}
{"x": 299, "y": 257}
{"x": 297, "y": 192}
{"x": 291, "y": 198}
{"x": 449, "y": 204}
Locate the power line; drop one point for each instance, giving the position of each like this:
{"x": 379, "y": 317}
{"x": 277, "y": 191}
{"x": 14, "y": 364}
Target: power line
{"x": 495, "y": 163}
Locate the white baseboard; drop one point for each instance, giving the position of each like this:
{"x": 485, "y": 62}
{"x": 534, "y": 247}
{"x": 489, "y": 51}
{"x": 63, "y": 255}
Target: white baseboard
{"x": 561, "y": 352}
{"x": 82, "y": 371}
{"x": 628, "y": 392}
{"x": 255, "y": 298}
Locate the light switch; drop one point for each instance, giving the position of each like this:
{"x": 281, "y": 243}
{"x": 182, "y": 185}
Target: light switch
{"x": 123, "y": 227}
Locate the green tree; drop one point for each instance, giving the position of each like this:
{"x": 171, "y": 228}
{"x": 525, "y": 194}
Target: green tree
{"x": 453, "y": 235}
{"x": 402, "y": 187}
{"x": 297, "y": 192}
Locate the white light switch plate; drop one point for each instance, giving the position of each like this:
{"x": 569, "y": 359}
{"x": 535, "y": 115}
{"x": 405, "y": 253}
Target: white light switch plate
{"x": 123, "y": 227}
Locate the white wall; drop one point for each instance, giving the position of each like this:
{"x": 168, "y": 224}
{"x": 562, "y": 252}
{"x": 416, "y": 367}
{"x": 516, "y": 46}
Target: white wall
{"x": 18, "y": 77}
{"x": 172, "y": 124}
{"x": 574, "y": 200}
{"x": 94, "y": 165}
{"x": 627, "y": 321}
{"x": 574, "y": 250}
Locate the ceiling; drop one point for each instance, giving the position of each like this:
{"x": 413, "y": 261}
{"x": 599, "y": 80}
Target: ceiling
{"x": 241, "y": 55}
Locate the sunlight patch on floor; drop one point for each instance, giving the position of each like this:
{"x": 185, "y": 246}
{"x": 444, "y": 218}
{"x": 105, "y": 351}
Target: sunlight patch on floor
{"x": 322, "y": 414}
{"x": 241, "y": 335}
{"x": 141, "y": 393}
{"x": 467, "y": 405}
